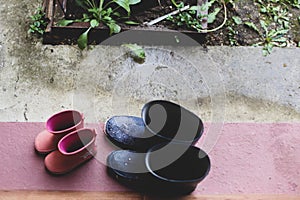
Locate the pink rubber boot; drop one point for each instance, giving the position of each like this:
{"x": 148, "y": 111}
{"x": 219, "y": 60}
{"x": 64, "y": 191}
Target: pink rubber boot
{"x": 73, "y": 150}
{"x": 57, "y": 126}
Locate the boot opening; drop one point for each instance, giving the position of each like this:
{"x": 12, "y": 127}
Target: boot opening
{"x": 76, "y": 141}
{"x": 64, "y": 120}
{"x": 192, "y": 165}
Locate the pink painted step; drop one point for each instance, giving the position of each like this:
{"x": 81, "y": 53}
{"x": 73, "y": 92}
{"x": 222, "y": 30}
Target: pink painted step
{"x": 248, "y": 158}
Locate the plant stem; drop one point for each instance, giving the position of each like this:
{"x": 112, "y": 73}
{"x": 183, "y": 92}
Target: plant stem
{"x": 202, "y": 13}
{"x": 89, "y": 3}
{"x": 101, "y": 5}
{"x": 116, "y": 9}
{"x": 219, "y": 27}
{"x": 174, "y": 3}
{"x": 105, "y": 6}
{"x": 100, "y": 10}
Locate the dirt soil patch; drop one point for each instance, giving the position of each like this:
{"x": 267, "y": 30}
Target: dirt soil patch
{"x": 231, "y": 34}
{"x": 248, "y": 11}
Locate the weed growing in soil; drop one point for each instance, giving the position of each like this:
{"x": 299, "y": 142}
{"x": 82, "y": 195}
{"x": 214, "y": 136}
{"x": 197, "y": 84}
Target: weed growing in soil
{"x": 273, "y": 26}
{"x": 273, "y": 38}
{"x": 275, "y": 22}
{"x": 193, "y": 17}
{"x": 38, "y": 22}
{"x": 101, "y": 13}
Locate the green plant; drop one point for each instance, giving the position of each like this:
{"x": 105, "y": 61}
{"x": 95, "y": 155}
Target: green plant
{"x": 276, "y": 15}
{"x": 252, "y": 26}
{"x": 232, "y": 2}
{"x": 231, "y": 36}
{"x": 136, "y": 52}
{"x": 38, "y": 22}
{"x": 271, "y": 37}
{"x": 275, "y": 23}
{"x": 276, "y": 11}
{"x": 231, "y": 29}
{"x": 192, "y": 18}
{"x": 237, "y": 20}
{"x": 187, "y": 18}
{"x": 100, "y": 12}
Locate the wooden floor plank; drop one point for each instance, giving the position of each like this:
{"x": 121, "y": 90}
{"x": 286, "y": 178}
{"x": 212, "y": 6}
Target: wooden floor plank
{"x": 233, "y": 197}
{"x": 53, "y": 195}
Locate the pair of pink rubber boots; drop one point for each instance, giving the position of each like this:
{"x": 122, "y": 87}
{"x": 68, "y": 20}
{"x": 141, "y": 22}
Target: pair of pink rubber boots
{"x": 66, "y": 142}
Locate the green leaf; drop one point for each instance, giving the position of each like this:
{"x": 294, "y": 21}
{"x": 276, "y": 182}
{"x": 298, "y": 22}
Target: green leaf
{"x": 269, "y": 47}
{"x": 93, "y": 10}
{"x": 282, "y": 39}
{"x": 37, "y": 23}
{"x": 114, "y": 28}
{"x": 117, "y": 14}
{"x": 286, "y": 24}
{"x": 264, "y": 25}
{"x": 263, "y": 9}
{"x": 124, "y": 4}
{"x": 237, "y": 20}
{"x": 176, "y": 39}
{"x": 252, "y": 25}
{"x": 107, "y": 18}
{"x": 174, "y": 3}
{"x": 85, "y": 16}
{"x": 212, "y": 16}
{"x": 281, "y": 32}
{"x": 109, "y": 11}
{"x": 265, "y": 52}
{"x": 94, "y": 23}
{"x": 65, "y": 22}
{"x": 101, "y": 5}
{"x": 131, "y": 23}
{"x": 272, "y": 33}
{"x": 40, "y": 32}
{"x": 136, "y": 52}
{"x": 83, "y": 39}
{"x": 133, "y": 2}
{"x": 207, "y": 5}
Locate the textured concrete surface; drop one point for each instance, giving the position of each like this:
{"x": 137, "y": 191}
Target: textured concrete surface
{"x": 37, "y": 80}
{"x": 220, "y": 84}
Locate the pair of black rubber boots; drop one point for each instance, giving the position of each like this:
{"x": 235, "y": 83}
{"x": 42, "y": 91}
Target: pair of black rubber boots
{"x": 159, "y": 156}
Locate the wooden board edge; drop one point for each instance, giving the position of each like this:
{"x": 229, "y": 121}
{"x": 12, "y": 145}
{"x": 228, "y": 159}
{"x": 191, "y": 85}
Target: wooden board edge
{"x": 68, "y": 195}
